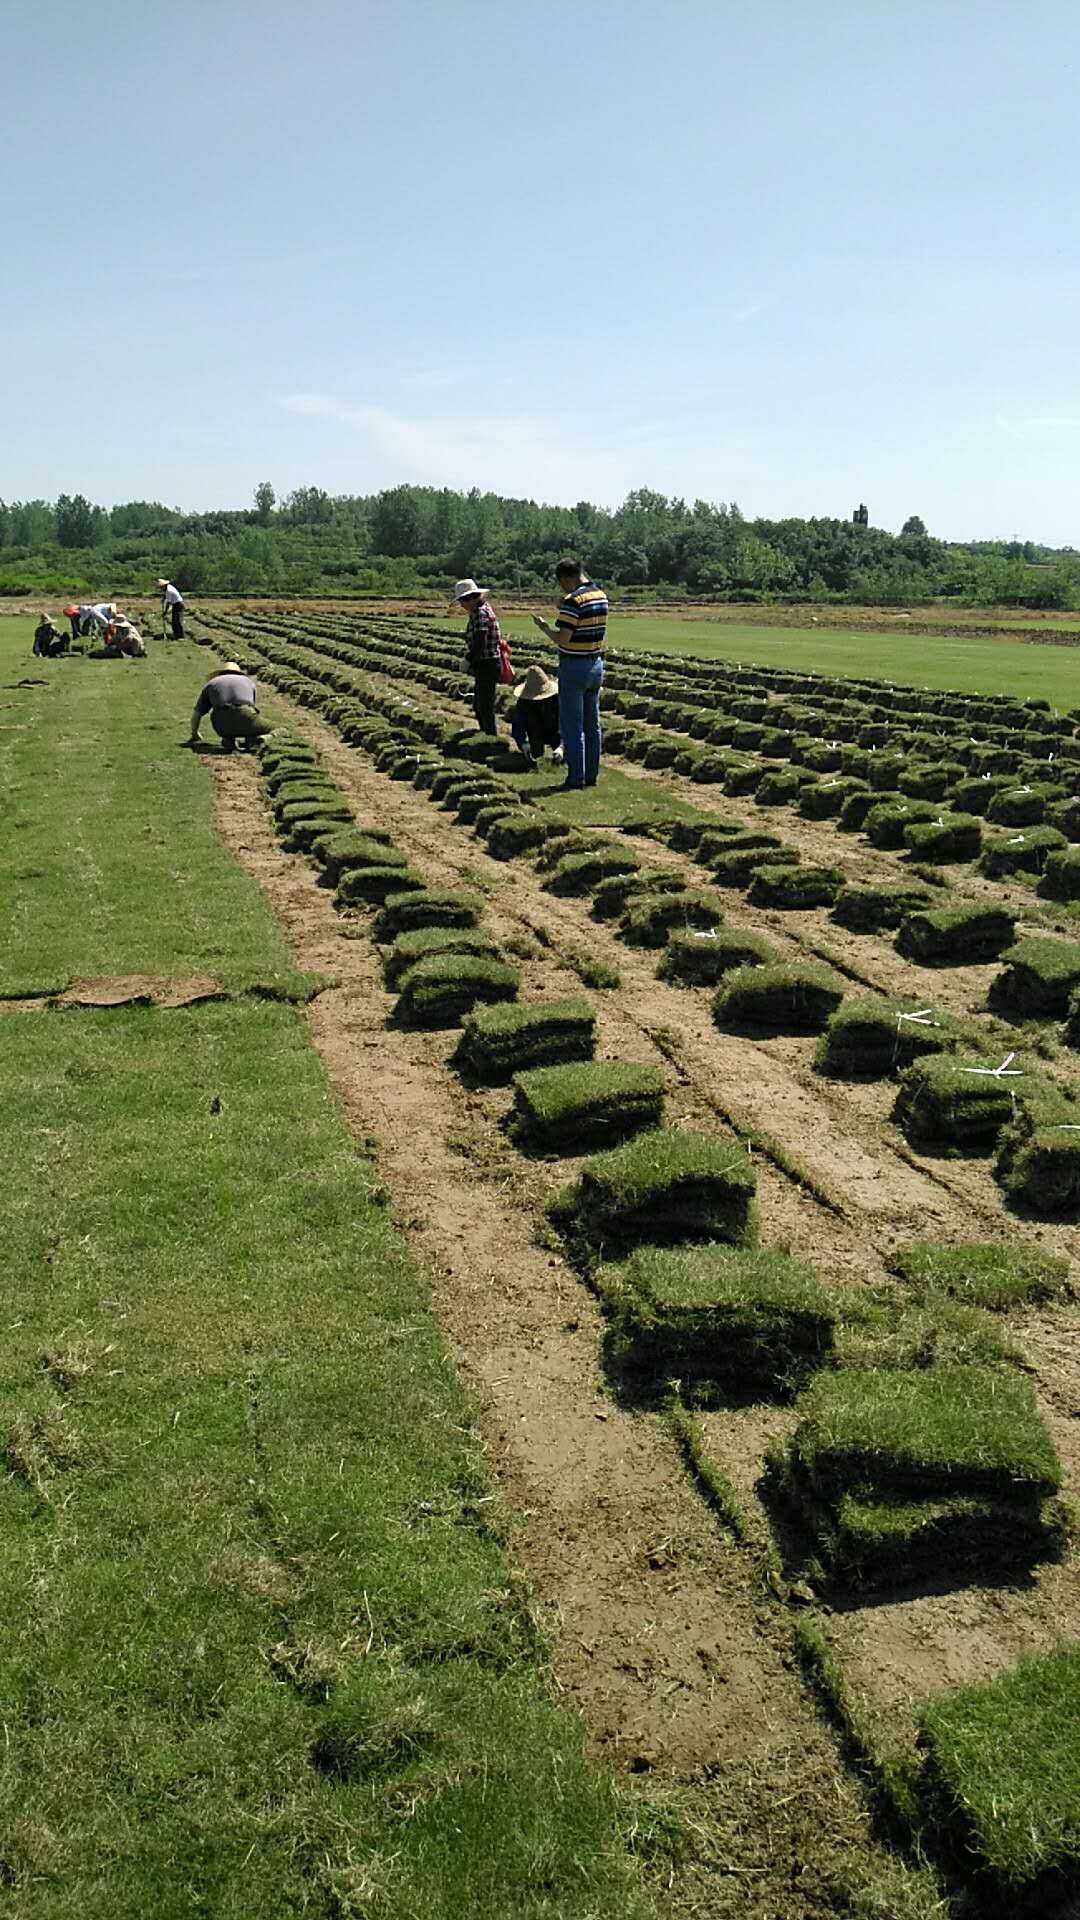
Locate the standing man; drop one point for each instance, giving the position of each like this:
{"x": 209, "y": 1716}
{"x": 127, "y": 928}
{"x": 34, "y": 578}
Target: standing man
{"x": 172, "y": 607}
{"x": 578, "y": 632}
{"x": 230, "y": 698}
{"x": 481, "y": 651}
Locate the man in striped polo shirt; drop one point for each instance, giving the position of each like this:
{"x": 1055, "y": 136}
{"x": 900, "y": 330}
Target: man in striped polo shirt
{"x": 578, "y": 632}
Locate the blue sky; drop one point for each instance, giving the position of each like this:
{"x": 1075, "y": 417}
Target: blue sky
{"x": 796, "y": 253}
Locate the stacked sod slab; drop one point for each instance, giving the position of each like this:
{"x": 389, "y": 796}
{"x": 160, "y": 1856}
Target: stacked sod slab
{"x": 898, "y": 1475}
{"x": 440, "y": 964}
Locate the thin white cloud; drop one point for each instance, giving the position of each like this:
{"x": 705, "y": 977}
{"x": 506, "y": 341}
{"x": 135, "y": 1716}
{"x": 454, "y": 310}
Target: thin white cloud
{"x": 542, "y": 457}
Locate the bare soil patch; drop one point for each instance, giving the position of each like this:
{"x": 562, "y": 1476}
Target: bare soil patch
{"x": 141, "y": 989}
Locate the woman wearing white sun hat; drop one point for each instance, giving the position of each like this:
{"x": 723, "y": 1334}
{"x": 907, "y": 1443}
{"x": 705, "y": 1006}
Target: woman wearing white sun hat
{"x": 482, "y": 651}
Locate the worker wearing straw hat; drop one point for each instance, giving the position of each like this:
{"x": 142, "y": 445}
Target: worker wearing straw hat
{"x": 172, "y": 608}
{"x": 482, "y": 651}
{"x": 535, "y": 721}
{"x": 230, "y": 697}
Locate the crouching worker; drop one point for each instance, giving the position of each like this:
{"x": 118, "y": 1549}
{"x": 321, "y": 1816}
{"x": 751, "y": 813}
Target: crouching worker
{"x": 535, "y": 723}
{"x": 124, "y": 640}
{"x": 48, "y": 643}
{"x": 230, "y": 698}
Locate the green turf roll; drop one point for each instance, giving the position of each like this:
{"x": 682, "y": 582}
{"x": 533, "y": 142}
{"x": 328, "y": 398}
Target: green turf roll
{"x": 664, "y": 1187}
{"x": 589, "y": 1103}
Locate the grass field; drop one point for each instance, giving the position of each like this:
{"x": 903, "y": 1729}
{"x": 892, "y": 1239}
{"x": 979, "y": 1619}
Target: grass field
{"x": 263, "y": 1653}
{"x": 963, "y": 665}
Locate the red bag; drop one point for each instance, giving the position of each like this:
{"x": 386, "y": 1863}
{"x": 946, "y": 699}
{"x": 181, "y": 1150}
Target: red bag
{"x": 506, "y": 671}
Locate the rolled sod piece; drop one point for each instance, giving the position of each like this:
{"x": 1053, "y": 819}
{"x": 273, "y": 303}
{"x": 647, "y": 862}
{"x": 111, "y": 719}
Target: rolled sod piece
{"x": 1038, "y": 979}
{"x": 884, "y": 824}
{"x": 870, "y": 1037}
{"x": 956, "y": 936}
{"x": 741, "y": 780}
{"x": 426, "y": 907}
{"x": 441, "y": 990}
{"x": 975, "y": 795}
{"x": 795, "y": 887}
{"x": 873, "y": 909}
{"x": 955, "y": 1103}
{"x": 777, "y": 999}
{"x": 662, "y": 1188}
{"x": 884, "y": 771}
{"x": 1038, "y": 1161}
{"x": 586, "y": 1103}
{"x": 408, "y": 948}
{"x": 498, "y": 1042}
{"x": 578, "y": 873}
{"x": 717, "y": 1315}
{"x": 468, "y": 805}
{"x": 1061, "y": 874}
{"x": 701, "y": 957}
{"x": 855, "y": 808}
{"x": 291, "y": 777}
{"x": 337, "y": 852}
{"x": 952, "y": 836}
{"x": 1024, "y": 806}
{"x": 1026, "y": 851}
{"x": 372, "y": 886}
{"x": 1065, "y": 816}
{"x": 994, "y": 1274}
{"x": 938, "y": 1430}
{"x": 1002, "y": 1779}
{"x": 716, "y": 837}
{"x": 648, "y": 922}
{"x": 559, "y": 847}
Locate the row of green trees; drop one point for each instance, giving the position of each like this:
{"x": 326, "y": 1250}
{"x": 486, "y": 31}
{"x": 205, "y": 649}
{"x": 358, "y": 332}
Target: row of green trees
{"x": 410, "y": 539}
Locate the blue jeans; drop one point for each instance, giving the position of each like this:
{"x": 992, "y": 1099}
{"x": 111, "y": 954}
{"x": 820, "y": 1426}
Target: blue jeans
{"x": 581, "y": 677}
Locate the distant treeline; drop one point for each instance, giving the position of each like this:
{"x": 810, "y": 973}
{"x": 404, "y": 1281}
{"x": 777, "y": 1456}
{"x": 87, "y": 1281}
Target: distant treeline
{"x": 411, "y": 540}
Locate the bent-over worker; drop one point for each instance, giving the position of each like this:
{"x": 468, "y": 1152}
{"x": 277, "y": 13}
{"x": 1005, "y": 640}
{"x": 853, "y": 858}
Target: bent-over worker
{"x": 230, "y": 697}
{"x": 48, "y": 643}
{"x": 535, "y": 721}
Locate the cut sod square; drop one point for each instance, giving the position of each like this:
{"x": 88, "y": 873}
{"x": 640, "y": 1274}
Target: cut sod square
{"x": 736, "y": 866}
{"x": 1024, "y": 806}
{"x": 337, "y": 852}
{"x": 408, "y": 948}
{"x": 1061, "y": 874}
{"x": 498, "y": 1042}
{"x": 586, "y": 1103}
{"x": 648, "y": 922}
{"x": 951, "y": 836}
{"x": 947, "y": 1430}
{"x": 699, "y": 958}
{"x": 662, "y": 1188}
{"x": 301, "y": 832}
{"x": 995, "y": 1274}
{"x": 1038, "y": 1162}
{"x": 870, "y": 1037}
{"x": 718, "y": 1314}
{"x": 957, "y": 1103}
{"x": 613, "y": 897}
{"x": 777, "y": 999}
{"x": 884, "y": 824}
{"x": 795, "y": 887}
{"x": 425, "y": 907}
{"x": 1039, "y": 978}
{"x": 1024, "y": 852}
{"x": 372, "y": 886}
{"x": 526, "y": 832}
{"x": 441, "y": 990}
{"x": 956, "y": 936}
{"x": 579, "y": 873}
{"x": 870, "y": 909}
{"x": 826, "y": 799}
{"x": 1002, "y": 1778}
{"x": 869, "y": 1539}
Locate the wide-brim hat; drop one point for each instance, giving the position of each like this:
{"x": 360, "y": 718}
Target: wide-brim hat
{"x": 163, "y": 583}
{"x": 535, "y": 684}
{"x": 231, "y": 666}
{"x": 465, "y": 587}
